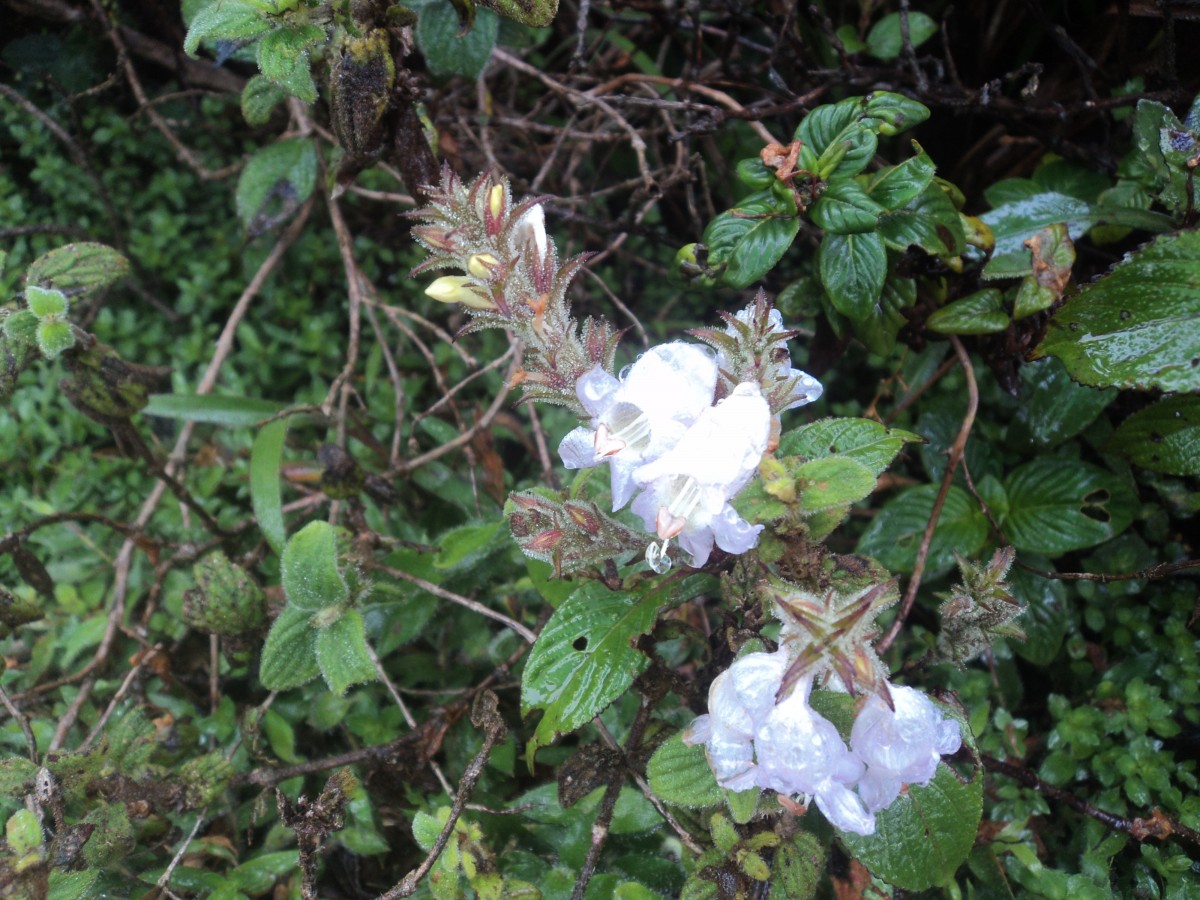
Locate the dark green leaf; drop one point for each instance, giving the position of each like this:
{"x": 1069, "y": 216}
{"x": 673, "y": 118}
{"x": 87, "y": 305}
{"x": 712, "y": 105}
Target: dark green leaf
{"x": 750, "y": 238}
{"x": 1139, "y": 325}
{"x": 1059, "y": 505}
{"x": 289, "y": 657}
{"x": 754, "y": 174}
{"x": 930, "y": 221}
{"x": 232, "y": 412}
{"x": 848, "y": 154}
{"x": 885, "y": 39}
{"x": 1016, "y": 222}
{"x": 680, "y": 775}
{"x": 260, "y": 96}
{"x": 283, "y": 58}
{"x": 1052, "y": 407}
{"x": 468, "y": 545}
{"x": 77, "y": 268}
{"x": 342, "y": 653}
{"x": 1164, "y": 437}
{"x": 825, "y": 123}
{"x": 853, "y": 268}
{"x": 879, "y": 329}
{"x": 1047, "y": 616}
{"x": 225, "y": 20}
{"x": 862, "y": 440}
{"x": 275, "y": 182}
{"x": 846, "y": 209}
{"x": 897, "y": 185}
{"x": 980, "y": 313}
{"x": 309, "y": 570}
{"x": 265, "y": 496}
{"x": 891, "y": 114}
{"x": 894, "y": 537}
{"x": 446, "y": 53}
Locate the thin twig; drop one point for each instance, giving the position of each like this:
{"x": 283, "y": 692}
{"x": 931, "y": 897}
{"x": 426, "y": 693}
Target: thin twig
{"x": 23, "y": 721}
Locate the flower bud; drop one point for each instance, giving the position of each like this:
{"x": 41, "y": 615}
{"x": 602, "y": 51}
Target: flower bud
{"x": 225, "y": 600}
{"x": 483, "y": 265}
{"x": 458, "y": 289}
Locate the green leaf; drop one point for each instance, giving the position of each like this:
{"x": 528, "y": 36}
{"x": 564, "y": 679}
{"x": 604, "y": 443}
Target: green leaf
{"x": 309, "y": 571}
{"x": 342, "y": 653}
{"x": 55, "y": 338}
{"x": 77, "y": 268}
{"x": 1052, "y": 256}
{"x": 679, "y": 774}
{"x": 225, "y": 20}
{"x": 20, "y": 327}
{"x": 862, "y": 440}
{"x": 1053, "y": 407}
{"x": 468, "y": 545}
{"x": 1164, "y": 437}
{"x": 232, "y": 412}
{"x": 276, "y": 182}
{"x": 1047, "y": 616}
{"x": 283, "y": 58}
{"x": 894, "y": 537}
{"x": 831, "y": 482}
{"x": 259, "y": 874}
{"x": 885, "y": 39}
{"x": 848, "y": 154}
{"x": 1139, "y": 325}
{"x": 897, "y": 185}
{"x": 980, "y": 313}
{"x": 265, "y": 497}
{"x": 879, "y": 329}
{"x": 845, "y": 208}
{"x": 930, "y": 221}
{"x": 445, "y": 52}
{"x": 43, "y": 302}
{"x": 1014, "y": 223}
{"x": 826, "y": 123}
{"x": 23, "y": 832}
{"x": 891, "y": 114}
{"x": 750, "y": 238}
{"x": 1059, "y": 505}
{"x": 535, "y": 13}
{"x": 754, "y": 174}
{"x": 260, "y": 96}
{"x": 584, "y": 659}
{"x": 853, "y": 268}
{"x": 925, "y": 835}
{"x": 289, "y": 656}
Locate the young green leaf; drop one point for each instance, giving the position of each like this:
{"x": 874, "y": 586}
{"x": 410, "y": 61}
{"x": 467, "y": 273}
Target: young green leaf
{"x": 863, "y": 440}
{"x": 289, "y": 656}
{"x": 83, "y": 267}
{"x": 55, "y": 338}
{"x": 45, "y": 303}
{"x": 980, "y": 313}
{"x": 885, "y": 39}
{"x": 225, "y": 20}
{"x": 283, "y": 58}
{"x": 265, "y": 459}
{"x": 342, "y": 653}
{"x": 680, "y": 775}
{"x": 275, "y": 182}
{"x": 832, "y": 482}
{"x": 309, "y": 569}
{"x": 260, "y": 96}
{"x": 895, "y": 186}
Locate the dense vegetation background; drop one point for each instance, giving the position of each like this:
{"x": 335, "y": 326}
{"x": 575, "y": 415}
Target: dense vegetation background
{"x": 252, "y": 355}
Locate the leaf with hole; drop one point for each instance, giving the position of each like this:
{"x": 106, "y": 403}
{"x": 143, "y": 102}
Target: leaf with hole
{"x": 1055, "y": 506}
{"x": 894, "y": 537}
{"x": 1164, "y": 437}
{"x": 275, "y": 182}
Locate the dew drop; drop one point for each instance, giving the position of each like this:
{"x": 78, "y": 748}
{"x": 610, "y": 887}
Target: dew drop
{"x": 624, "y": 373}
{"x": 657, "y": 558}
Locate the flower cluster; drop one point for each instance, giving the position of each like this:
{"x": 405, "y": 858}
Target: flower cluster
{"x": 685, "y": 427}
{"x": 786, "y": 746}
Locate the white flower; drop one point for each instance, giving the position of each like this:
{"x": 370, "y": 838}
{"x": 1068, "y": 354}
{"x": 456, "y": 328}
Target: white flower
{"x": 901, "y": 747}
{"x": 687, "y": 489}
{"x": 642, "y": 416}
{"x": 799, "y": 751}
{"x": 807, "y": 389}
{"x": 739, "y": 702}
{"x": 531, "y": 229}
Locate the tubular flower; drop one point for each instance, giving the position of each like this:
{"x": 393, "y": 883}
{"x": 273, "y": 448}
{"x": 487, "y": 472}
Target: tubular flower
{"x": 900, "y": 747}
{"x": 642, "y": 416}
{"x": 687, "y": 489}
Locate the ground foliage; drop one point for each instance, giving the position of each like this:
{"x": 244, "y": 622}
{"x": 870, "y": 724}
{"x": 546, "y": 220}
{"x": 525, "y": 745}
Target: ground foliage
{"x": 266, "y": 630}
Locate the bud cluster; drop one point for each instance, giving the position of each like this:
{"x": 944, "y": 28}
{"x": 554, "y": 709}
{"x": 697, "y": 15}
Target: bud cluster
{"x": 570, "y": 535}
{"x": 511, "y": 278}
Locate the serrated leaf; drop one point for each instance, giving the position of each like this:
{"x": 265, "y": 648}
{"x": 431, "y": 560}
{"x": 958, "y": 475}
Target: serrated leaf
{"x": 283, "y": 58}
{"x": 289, "y": 656}
{"x": 446, "y": 52}
{"x": 260, "y": 96}
{"x": 1164, "y": 437}
{"x": 77, "y": 268}
{"x": 275, "y": 182}
{"x": 232, "y": 412}
{"x": 225, "y": 20}
{"x": 863, "y": 440}
{"x": 894, "y": 537}
{"x": 980, "y": 313}
{"x": 1059, "y": 505}
{"x": 1053, "y": 407}
{"x": 55, "y": 338}
{"x": 308, "y": 569}
{"x": 342, "y": 653}
{"x": 845, "y": 208}
{"x": 930, "y": 221}
{"x": 583, "y": 659}
{"x": 832, "y": 482}
{"x": 750, "y": 238}
{"x": 925, "y": 835}
{"x": 1139, "y": 325}
{"x": 680, "y": 775}
{"x": 885, "y": 39}
{"x": 43, "y": 302}
{"x": 265, "y": 497}
{"x": 853, "y": 268}
{"x": 897, "y": 185}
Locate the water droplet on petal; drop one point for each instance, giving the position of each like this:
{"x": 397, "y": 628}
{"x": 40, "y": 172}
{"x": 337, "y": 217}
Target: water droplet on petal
{"x": 624, "y": 373}
{"x": 657, "y": 558}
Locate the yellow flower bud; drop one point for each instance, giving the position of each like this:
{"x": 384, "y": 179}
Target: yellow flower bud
{"x": 481, "y": 265}
{"x": 459, "y": 289}
{"x": 496, "y": 201}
